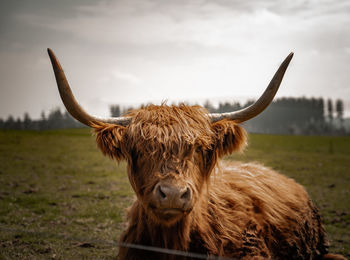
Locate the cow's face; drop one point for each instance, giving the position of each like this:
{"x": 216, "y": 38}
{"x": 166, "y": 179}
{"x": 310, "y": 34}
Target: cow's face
{"x": 171, "y": 152}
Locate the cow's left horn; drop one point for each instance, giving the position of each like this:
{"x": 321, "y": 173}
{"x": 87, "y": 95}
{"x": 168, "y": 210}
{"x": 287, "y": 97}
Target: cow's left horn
{"x": 72, "y": 105}
{"x": 262, "y": 103}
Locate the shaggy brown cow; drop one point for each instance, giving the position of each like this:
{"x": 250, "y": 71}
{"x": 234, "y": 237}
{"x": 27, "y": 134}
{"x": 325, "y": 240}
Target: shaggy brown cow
{"x": 187, "y": 200}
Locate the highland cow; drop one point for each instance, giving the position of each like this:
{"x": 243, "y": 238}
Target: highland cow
{"x": 186, "y": 199}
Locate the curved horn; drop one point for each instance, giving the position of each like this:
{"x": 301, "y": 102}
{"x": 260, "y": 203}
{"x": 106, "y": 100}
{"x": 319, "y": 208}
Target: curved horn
{"x": 262, "y": 103}
{"x": 72, "y": 105}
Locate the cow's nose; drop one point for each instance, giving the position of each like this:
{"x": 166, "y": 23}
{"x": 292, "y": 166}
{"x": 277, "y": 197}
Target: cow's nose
{"x": 172, "y": 197}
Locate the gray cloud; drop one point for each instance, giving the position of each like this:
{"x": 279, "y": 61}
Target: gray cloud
{"x": 129, "y": 51}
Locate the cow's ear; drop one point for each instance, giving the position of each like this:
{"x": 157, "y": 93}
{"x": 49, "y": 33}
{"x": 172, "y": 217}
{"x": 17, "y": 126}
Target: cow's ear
{"x": 109, "y": 139}
{"x": 229, "y": 137}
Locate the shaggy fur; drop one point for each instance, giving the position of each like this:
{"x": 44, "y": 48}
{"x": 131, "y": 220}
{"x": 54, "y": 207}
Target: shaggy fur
{"x": 243, "y": 211}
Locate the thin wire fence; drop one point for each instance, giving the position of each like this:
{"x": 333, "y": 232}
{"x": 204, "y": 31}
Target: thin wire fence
{"x": 89, "y": 241}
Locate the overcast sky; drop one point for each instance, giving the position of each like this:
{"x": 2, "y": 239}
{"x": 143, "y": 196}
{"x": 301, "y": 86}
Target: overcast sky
{"x": 140, "y": 51}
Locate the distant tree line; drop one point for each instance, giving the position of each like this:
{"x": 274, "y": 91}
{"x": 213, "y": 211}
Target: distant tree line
{"x": 55, "y": 119}
{"x": 117, "y": 111}
{"x": 308, "y": 116}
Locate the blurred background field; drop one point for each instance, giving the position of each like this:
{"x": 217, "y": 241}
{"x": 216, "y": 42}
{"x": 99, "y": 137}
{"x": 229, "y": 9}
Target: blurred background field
{"x": 61, "y": 198}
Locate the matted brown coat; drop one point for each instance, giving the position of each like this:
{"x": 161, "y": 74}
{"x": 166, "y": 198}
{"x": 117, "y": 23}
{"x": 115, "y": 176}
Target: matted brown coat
{"x": 242, "y": 211}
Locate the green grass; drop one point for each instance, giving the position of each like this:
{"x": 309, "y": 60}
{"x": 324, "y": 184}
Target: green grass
{"x": 61, "y": 199}
{"x": 58, "y": 184}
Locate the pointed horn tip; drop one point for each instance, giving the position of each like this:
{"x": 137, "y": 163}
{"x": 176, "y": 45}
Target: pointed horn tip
{"x": 51, "y": 54}
{"x": 55, "y": 63}
{"x": 287, "y": 60}
{"x": 49, "y": 51}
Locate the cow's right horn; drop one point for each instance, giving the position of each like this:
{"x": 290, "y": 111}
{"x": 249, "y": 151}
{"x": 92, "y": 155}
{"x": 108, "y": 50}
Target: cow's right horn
{"x": 72, "y": 105}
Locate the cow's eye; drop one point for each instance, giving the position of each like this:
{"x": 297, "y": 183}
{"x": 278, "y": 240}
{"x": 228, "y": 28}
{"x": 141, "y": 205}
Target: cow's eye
{"x": 199, "y": 149}
{"x": 134, "y": 158}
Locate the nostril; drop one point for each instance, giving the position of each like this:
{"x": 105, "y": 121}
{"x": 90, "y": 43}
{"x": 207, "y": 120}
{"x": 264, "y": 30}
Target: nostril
{"x": 161, "y": 193}
{"x": 186, "y": 195}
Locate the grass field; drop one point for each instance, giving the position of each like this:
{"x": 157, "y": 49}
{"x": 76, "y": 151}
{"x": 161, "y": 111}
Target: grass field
{"x": 61, "y": 199}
